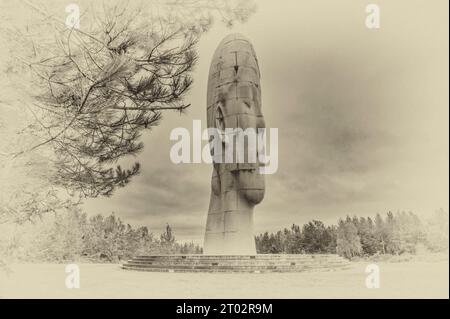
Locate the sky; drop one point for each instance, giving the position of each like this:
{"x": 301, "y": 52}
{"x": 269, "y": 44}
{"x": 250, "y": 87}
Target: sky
{"x": 362, "y": 116}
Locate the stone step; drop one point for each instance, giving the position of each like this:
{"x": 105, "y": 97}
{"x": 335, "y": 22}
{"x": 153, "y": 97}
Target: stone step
{"x": 213, "y": 260}
{"x": 330, "y": 265}
{"x": 235, "y": 263}
{"x": 208, "y": 263}
{"x": 203, "y": 271}
{"x": 212, "y": 267}
{"x": 250, "y": 263}
{"x": 252, "y": 257}
{"x": 232, "y": 270}
{"x": 239, "y": 262}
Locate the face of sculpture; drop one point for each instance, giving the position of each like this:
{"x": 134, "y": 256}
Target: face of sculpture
{"x": 234, "y": 98}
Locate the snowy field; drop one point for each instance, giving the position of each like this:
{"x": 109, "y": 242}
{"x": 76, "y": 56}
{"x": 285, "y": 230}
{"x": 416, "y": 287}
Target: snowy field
{"x": 416, "y": 279}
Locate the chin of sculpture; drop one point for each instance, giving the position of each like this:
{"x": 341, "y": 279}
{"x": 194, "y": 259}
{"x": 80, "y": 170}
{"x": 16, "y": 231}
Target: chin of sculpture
{"x": 234, "y": 101}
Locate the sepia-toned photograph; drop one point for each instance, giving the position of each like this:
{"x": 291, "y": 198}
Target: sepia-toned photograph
{"x": 224, "y": 150}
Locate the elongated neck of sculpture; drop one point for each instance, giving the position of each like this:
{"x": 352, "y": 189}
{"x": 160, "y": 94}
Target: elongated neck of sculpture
{"x": 229, "y": 227}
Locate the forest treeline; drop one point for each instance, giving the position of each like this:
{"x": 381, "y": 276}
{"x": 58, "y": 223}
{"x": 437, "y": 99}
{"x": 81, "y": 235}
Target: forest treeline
{"x": 73, "y": 236}
{"x": 360, "y": 236}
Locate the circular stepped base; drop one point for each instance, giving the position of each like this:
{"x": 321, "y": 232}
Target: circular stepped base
{"x": 236, "y": 263}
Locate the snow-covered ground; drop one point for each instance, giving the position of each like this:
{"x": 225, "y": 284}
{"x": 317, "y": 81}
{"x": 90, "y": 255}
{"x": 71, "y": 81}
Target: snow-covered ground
{"x": 413, "y": 279}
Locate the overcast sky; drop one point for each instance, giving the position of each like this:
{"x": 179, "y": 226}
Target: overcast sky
{"x": 362, "y": 117}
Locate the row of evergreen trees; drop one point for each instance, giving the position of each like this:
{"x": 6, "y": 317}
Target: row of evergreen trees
{"x": 72, "y": 236}
{"x": 395, "y": 234}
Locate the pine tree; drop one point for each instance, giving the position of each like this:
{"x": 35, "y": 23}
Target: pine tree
{"x": 392, "y": 237}
{"x": 315, "y": 239}
{"x": 348, "y": 241}
{"x": 294, "y": 240}
{"x": 366, "y": 233}
{"x": 167, "y": 239}
{"x": 263, "y": 243}
{"x": 332, "y": 233}
{"x": 380, "y": 234}
{"x": 93, "y": 94}
{"x": 437, "y": 231}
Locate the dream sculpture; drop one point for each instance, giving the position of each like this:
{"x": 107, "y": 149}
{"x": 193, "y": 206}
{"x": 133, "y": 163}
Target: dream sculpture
{"x": 233, "y": 106}
{"x": 234, "y": 101}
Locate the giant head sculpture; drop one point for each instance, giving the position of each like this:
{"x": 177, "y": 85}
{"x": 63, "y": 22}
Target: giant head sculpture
{"x": 234, "y": 102}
